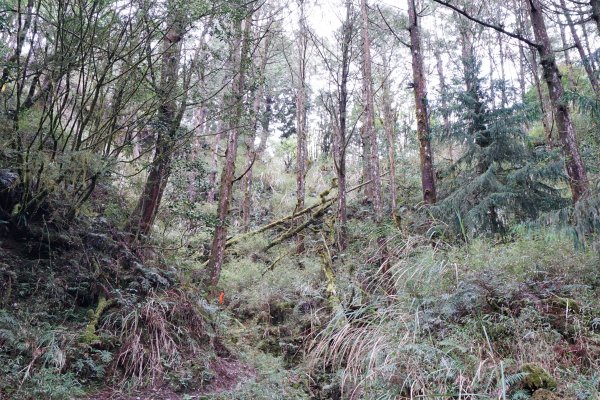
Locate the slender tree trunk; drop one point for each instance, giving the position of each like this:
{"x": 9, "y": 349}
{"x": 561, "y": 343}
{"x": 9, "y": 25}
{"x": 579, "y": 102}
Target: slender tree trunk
{"x": 199, "y": 115}
{"x": 492, "y": 85}
{"x": 520, "y": 15}
{"x": 563, "y": 38}
{"x": 476, "y": 120}
{"x": 200, "y": 122}
{"x": 369, "y": 117}
{"x": 22, "y": 30}
{"x": 265, "y": 123}
{"x": 366, "y": 168}
{"x": 586, "y": 41}
{"x": 143, "y": 216}
{"x": 522, "y": 85}
{"x": 250, "y": 138}
{"x": 420, "y": 90}
{"x": 388, "y": 120}
{"x": 340, "y": 139}
{"x": 546, "y": 111}
{"x": 595, "y": 4}
{"x": 301, "y": 144}
{"x": 444, "y": 102}
{"x": 547, "y": 117}
{"x": 389, "y": 126}
{"x": 214, "y": 163}
{"x": 575, "y": 167}
{"x": 503, "y": 96}
{"x": 584, "y": 58}
{"x": 240, "y": 48}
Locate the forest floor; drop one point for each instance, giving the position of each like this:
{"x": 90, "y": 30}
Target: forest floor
{"x": 87, "y": 315}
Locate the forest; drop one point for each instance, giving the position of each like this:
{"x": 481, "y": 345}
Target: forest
{"x": 301, "y": 199}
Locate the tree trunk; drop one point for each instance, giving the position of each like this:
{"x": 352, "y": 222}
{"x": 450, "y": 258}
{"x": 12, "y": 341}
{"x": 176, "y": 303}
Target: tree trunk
{"x": 547, "y": 118}
{"x": 369, "y": 117}
{"x": 563, "y": 38}
{"x": 214, "y": 163}
{"x": 492, "y": 85}
{"x": 476, "y": 119}
{"x": 420, "y": 90}
{"x": 143, "y": 216}
{"x": 265, "y": 123}
{"x": 301, "y": 145}
{"x": 240, "y": 47}
{"x": 503, "y": 95}
{"x": 575, "y": 167}
{"x": 522, "y": 85}
{"x": 595, "y": 4}
{"x": 444, "y": 102}
{"x": 196, "y": 143}
{"x": 200, "y": 121}
{"x": 366, "y": 169}
{"x": 389, "y": 126}
{"x": 340, "y": 139}
{"x": 584, "y": 58}
{"x": 250, "y": 138}
{"x": 22, "y": 30}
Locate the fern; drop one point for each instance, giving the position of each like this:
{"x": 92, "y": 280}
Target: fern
{"x": 514, "y": 379}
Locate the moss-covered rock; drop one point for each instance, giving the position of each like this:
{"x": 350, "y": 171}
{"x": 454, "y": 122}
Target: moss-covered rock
{"x": 89, "y": 335}
{"x": 565, "y": 303}
{"x": 537, "y": 378}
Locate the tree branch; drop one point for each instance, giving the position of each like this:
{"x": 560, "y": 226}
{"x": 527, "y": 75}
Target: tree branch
{"x": 487, "y": 24}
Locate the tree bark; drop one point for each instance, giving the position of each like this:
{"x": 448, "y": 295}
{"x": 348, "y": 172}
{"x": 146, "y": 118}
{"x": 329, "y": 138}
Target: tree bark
{"x": 595, "y": 4}
{"x": 547, "y": 117}
{"x": 251, "y": 136}
{"x": 265, "y": 123}
{"x": 214, "y": 164}
{"x": 420, "y": 91}
{"x": 582, "y": 54}
{"x": 340, "y": 139}
{"x": 369, "y": 117}
{"x": 503, "y": 95}
{"x": 240, "y": 47}
{"x": 575, "y": 168}
{"x": 389, "y": 126}
{"x": 143, "y": 216}
{"x": 444, "y": 102}
{"x": 301, "y": 145}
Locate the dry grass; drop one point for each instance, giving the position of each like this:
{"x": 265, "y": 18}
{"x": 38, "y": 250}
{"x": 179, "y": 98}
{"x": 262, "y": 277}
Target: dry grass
{"x": 458, "y": 328}
{"x": 158, "y": 334}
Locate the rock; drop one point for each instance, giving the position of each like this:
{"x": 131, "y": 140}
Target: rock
{"x": 537, "y": 378}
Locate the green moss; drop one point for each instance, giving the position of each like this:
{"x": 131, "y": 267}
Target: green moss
{"x": 566, "y": 304}
{"x": 537, "y": 378}
{"x": 89, "y": 335}
{"x": 544, "y": 394}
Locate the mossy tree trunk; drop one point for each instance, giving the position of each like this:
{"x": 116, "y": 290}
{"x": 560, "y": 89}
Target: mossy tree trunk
{"x": 169, "y": 119}
{"x": 566, "y": 130}
{"x": 420, "y": 92}
{"x": 240, "y": 47}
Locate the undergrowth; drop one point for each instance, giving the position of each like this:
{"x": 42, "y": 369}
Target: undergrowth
{"x": 464, "y": 321}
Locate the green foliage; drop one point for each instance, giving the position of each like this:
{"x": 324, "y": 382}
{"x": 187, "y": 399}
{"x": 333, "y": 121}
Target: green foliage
{"x": 500, "y": 180}
{"x": 50, "y": 385}
{"x": 466, "y": 314}
{"x": 188, "y": 184}
{"x": 33, "y": 357}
